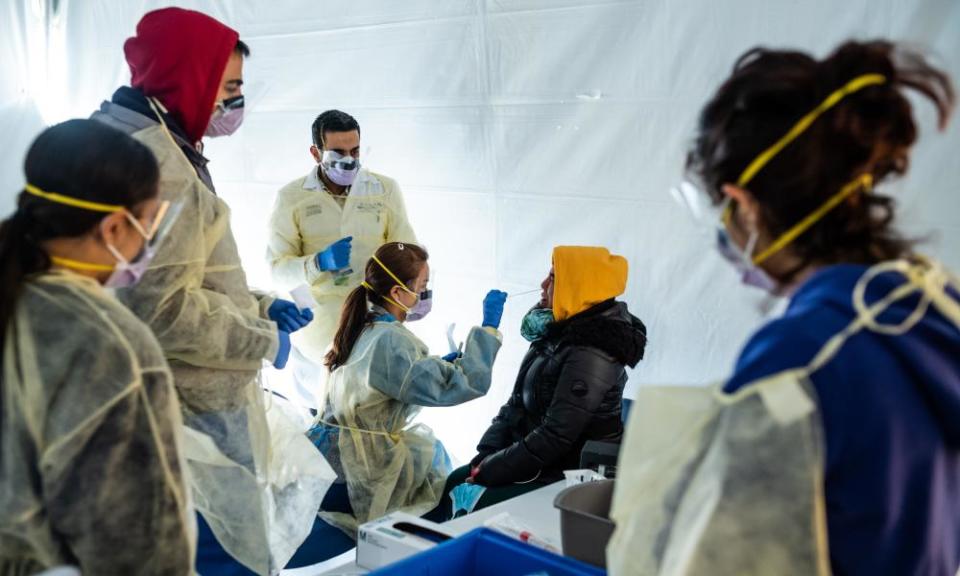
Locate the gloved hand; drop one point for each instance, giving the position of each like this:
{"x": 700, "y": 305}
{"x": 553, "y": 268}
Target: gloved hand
{"x": 451, "y": 356}
{"x": 493, "y": 308}
{"x": 335, "y": 256}
{"x": 287, "y": 316}
{"x": 283, "y": 351}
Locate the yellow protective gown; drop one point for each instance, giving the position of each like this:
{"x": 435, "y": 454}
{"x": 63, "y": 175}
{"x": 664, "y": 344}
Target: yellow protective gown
{"x": 306, "y": 219}
{"x": 90, "y": 439}
{"x": 259, "y": 498}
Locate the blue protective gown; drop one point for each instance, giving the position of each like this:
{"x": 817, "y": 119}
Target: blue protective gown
{"x": 891, "y": 416}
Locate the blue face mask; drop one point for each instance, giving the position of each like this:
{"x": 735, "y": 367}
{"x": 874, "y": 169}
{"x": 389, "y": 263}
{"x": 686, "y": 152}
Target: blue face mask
{"x": 465, "y": 497}
{"x": 535, "y": 324}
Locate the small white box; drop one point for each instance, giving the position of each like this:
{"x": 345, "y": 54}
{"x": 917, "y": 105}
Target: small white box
{"x": 395, "y": 537}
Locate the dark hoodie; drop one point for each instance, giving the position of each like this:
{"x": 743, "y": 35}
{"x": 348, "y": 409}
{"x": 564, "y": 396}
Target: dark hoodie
{"x": 569, "y": 390}
{"x": 890, "y": 407}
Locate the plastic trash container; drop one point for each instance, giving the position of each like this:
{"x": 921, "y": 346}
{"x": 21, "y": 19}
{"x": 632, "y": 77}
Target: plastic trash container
{"x": 485, "y": 552}
{"x": 585, "y": 525}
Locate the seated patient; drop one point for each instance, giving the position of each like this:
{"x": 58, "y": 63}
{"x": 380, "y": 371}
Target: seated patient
{"x": 569, "y": 388}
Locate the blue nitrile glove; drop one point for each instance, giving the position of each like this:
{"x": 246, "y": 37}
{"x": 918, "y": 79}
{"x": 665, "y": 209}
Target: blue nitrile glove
{"x": 451, "y": 356}
{"x": 493, "y": 308}
{"x": 283, "y": 351}
{"x": 288, "y": 316}
{"x": 335, "y": 256}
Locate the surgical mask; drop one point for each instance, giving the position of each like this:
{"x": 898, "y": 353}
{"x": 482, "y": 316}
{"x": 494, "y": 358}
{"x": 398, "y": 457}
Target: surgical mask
{"x": 340, "y": 169}
{"x": 465, "y": 497}
{"x": 422, "y": 307}
{"x": 227, "y": 117}
{"x": 742, "y": 260}
{"x": 125, "y": 273}
{"x": 535, "y": 324}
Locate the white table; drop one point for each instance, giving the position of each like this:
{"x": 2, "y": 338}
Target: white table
{"x": 534, "y": 509}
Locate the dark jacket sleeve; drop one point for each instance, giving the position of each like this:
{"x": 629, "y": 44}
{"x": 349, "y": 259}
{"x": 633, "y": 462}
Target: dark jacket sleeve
{"x": 585, "y": 378}
{"x": 500, "y": 434}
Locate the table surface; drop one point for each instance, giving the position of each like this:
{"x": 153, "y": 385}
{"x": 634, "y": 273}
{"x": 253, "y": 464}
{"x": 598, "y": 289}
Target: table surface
{"x": 534, "y": 509}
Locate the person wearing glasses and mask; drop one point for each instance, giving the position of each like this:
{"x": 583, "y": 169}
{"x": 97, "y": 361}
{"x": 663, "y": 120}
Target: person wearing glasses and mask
{"x": 214, "y": 330}
{"x": 324, "y": 228}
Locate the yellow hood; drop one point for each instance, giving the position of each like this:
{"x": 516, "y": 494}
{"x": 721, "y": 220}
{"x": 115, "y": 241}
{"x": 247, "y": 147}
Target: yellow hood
{"x": 585, "y": 276}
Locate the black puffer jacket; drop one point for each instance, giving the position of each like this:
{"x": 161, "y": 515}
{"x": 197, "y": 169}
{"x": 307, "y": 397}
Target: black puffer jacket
{"x": 568, "y": 391}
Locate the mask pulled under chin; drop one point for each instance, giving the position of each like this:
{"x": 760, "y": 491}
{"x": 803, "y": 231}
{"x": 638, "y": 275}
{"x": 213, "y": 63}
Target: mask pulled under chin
{"x": 535, "y": 324}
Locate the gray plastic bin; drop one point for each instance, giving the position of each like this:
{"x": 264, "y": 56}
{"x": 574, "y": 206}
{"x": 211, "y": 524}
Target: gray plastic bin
{"x": 585, "y": 525}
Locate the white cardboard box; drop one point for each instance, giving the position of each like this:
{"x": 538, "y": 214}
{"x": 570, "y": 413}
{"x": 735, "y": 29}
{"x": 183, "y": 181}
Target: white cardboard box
{"x": 395, "y": 537}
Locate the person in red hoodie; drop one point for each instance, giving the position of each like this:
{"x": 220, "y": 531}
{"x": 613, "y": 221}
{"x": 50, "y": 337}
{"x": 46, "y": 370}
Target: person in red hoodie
{"x": 186, "y": 83}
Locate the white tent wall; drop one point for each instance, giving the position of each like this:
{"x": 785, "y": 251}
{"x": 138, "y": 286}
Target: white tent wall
{"x": 511, "y": 127}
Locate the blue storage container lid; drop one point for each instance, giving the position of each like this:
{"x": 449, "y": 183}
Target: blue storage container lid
{"x": 485, "y": 552}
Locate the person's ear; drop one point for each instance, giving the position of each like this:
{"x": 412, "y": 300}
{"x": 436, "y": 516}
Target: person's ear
{"x": 316, "y": 153}
{"x": 747, "y": 209}
{"x": 113, "y": 228}
{"x": 395, "y": 294}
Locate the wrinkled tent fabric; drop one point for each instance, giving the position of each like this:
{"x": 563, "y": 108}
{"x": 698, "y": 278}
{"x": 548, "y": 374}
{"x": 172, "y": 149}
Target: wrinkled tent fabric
{"x": 90, "y": 448}
{"x": 512, "y": 126}
{"x": 710, "y": 482}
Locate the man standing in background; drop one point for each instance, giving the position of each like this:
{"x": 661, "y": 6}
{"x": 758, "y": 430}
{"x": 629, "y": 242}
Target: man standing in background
{"x": 324, "y": 228}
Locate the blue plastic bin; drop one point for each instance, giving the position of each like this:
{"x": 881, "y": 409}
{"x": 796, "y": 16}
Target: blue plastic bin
{"x": 485, "y": 552}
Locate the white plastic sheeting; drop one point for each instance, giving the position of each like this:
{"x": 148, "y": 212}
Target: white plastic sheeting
{"x": 512, "y": 126}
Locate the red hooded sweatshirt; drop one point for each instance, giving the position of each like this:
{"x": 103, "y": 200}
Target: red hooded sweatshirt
{"x": 178, "y": 56}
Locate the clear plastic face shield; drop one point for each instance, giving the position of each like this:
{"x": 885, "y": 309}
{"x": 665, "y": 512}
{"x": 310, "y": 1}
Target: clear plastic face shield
{"x": 129, "y": 273}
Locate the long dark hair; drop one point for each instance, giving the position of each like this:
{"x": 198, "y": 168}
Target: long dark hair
{"x": 870, "y": 131}
{"x": 404, "y": 260}
{"x": 82, "y": 159}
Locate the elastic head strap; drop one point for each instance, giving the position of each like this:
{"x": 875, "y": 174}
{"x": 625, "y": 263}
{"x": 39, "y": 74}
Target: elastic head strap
{"x": 77, "y": 265}
{"x": 392, "y": 275}
{"x": 862, "y": 182}
{"x": 74, "y": 202}
{"x": 387, "y": 298}
{"x": 858, "y": 83}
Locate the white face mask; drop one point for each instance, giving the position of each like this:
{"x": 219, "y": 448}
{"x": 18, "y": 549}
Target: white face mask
{"x": 128, "y": 273}
{"x": 227, "y": 117}
{"x": 340, "y": 169}
{"x": 750, "y": 274}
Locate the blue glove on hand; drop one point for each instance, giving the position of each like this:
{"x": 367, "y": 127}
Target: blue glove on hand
{"x": 493, "y": 308}
{"x": 451, "y": 356}
{"x": 287, "y": 316}
{"x": 283, "y": 351}
{"x": 335, "y": 256}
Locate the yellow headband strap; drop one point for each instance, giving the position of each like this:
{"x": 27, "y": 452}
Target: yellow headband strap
{"x": 836, "y": 96}
{"x": 864, "y": 181}
{"x": 77, "y": 265}
{"x": 387, "y": 298}
{"x": 392, "y": 275}
{"x": 75, "y": 202}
